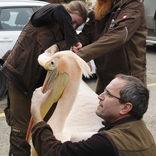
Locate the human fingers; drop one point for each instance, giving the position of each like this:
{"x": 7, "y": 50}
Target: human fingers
{"x": 39, "y": 97}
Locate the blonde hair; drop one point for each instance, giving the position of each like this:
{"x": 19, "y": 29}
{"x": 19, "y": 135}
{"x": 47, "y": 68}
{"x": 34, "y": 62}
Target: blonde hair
{"x": 78, "y": 8}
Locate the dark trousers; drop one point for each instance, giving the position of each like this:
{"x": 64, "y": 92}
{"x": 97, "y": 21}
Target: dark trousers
{"x": 18, "y": 116}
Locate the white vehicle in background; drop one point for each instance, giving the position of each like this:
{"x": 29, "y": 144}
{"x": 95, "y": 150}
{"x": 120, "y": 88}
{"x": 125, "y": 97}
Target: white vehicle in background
{"x": 14, "y": 15}
{"x": 150, "y": 10}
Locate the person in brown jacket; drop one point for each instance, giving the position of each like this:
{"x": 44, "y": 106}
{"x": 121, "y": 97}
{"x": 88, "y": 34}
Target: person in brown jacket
{"x": 115, "y": 38}
{"x": 48, "y": 25}
{"x": 121, "y": 105}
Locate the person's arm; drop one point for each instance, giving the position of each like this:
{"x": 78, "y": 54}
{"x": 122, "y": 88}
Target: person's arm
{"x": 56, "y": 48}
{"x": 125, "y": 26}
{"x": 44, "y": 141}
{"x": 56, "y": 13}
{"x": 98, "y": 144}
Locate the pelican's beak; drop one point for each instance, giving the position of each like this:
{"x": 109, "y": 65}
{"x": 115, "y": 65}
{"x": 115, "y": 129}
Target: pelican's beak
{"x": 57, "y": 81}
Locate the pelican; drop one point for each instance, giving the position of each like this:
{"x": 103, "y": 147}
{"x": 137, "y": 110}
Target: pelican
{"x": 74, "y": 117}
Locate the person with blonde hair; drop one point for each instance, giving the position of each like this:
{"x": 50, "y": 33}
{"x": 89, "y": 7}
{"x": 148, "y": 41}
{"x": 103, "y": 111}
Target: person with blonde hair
{"x": 50, "y": 24}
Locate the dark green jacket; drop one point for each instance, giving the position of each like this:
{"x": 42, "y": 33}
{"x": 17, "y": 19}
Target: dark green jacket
{"x": 133, "y": 139}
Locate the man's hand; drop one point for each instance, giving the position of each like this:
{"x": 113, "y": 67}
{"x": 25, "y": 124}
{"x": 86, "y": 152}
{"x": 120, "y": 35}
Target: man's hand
{"x": 52, "y": 50}
{"x": 37, "y": 100}
{"x": 76, "y": 47}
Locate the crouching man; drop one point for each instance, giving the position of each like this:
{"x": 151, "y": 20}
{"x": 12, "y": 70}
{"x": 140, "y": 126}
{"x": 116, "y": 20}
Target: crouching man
{"x": 121, "y": 106}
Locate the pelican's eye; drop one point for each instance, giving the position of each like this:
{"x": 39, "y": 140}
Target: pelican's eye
{"x": 52, "y": 62}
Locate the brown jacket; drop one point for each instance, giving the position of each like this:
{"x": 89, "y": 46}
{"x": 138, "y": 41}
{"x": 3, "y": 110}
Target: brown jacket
{"x": 117, "y": 43}
{"x": 22, "y": 66}
{"x": 45, "y": 28}
{"x": 133, "y": 139}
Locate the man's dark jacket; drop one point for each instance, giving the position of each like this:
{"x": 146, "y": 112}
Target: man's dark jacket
{"x": 117, "y": 43}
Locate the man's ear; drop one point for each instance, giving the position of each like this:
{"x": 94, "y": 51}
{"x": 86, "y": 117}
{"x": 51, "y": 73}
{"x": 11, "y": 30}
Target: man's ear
{"x": 126, "y": 108}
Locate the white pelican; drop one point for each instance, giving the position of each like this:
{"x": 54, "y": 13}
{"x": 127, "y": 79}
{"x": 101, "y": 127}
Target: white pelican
{"x": 74, "y": 117}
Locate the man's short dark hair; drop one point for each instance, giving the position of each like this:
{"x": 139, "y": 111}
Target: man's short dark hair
{"x": 136, "y": 93}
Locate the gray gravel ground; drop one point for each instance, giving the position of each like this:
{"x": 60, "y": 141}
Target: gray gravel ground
{"x": 4, "y": 131}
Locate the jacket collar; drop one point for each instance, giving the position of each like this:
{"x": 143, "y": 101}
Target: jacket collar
{"x": 108, "y": 126}
{"x": 116, "y": 4}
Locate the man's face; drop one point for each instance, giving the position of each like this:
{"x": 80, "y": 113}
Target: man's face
{"x": 109, "y": 107}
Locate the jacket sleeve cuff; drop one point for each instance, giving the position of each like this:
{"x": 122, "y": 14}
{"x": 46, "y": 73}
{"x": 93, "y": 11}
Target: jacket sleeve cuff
{"x": 62, "y": 46}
